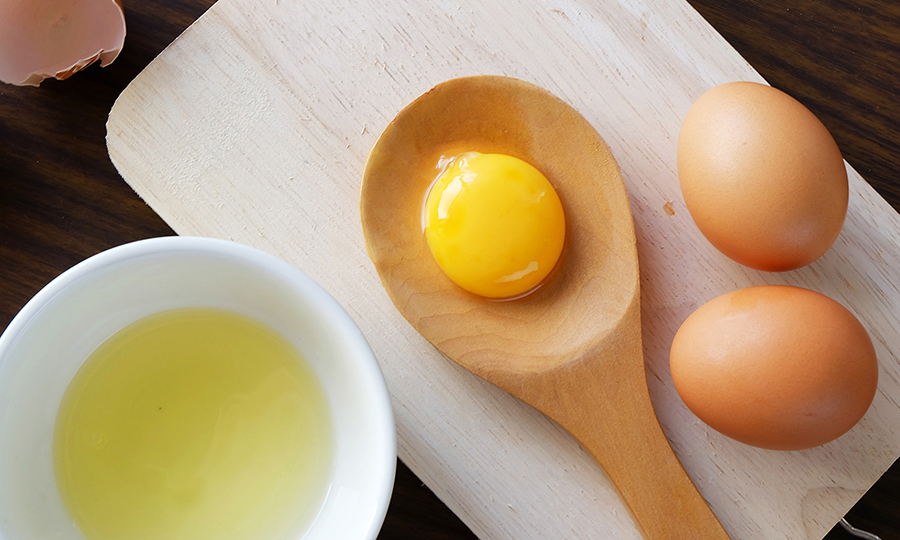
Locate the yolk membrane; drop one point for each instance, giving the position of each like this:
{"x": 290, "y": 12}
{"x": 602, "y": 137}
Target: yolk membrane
{"x": 494, "y": 224}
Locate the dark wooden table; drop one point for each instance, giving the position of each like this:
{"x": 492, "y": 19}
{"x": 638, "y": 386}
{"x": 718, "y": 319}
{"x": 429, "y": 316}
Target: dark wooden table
{"x": 61, "y": 200}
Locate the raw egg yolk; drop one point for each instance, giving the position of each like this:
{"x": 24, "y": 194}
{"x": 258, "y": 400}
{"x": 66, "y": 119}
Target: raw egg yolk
{"x": 494, "y": 224}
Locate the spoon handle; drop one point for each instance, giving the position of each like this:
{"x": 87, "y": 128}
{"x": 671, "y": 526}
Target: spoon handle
{"x": 636, "y": 456}
{"x": 605, "y": 403}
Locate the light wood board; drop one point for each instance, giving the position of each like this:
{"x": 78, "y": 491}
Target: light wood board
{"x": 255, "y": 124}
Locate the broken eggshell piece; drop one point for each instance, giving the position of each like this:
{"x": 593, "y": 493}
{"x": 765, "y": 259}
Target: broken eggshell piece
{"x": 56, "y": 38}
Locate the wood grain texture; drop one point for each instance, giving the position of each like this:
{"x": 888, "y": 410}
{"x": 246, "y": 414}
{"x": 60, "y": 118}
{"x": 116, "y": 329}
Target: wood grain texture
{"x": 61, "y": 200}
{"x": 255, "y": 125}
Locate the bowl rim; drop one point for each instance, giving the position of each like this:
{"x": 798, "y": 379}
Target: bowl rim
{"x": 383, "y": 448}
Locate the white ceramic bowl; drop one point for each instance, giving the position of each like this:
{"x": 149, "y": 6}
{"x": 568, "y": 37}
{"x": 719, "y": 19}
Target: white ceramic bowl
{"x": 48, "y": 340}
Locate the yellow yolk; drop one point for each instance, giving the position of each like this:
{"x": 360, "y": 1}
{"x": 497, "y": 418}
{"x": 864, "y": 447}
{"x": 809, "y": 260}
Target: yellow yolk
{"x": 494, "y": 224}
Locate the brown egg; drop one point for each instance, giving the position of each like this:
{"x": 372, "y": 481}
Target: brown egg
{"x": 56, "y": 38}
{"x": 761, "y": 176}
{"x": 776, "y": 367}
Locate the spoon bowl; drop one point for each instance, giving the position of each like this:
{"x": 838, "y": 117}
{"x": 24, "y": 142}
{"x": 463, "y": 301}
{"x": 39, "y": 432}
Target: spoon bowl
{"x": 572, "y": 348}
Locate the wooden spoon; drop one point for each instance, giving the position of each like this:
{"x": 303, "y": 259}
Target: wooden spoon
{"x": 572, "y": 349}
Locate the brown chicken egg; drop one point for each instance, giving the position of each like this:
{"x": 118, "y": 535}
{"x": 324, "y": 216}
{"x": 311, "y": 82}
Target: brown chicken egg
{"x": 761, "y": 176}
{"x": 56, "y": 38}
{"x": 777, "y": 367}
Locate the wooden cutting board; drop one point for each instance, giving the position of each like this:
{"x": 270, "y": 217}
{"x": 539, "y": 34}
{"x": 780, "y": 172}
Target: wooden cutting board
{"x": 255, "y": 124}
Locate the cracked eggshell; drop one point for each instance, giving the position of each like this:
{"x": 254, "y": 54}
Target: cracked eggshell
{"x": 56, "y": 38}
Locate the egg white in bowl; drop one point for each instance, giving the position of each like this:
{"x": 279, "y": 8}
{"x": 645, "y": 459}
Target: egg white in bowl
{"x": 48, "y": 341}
